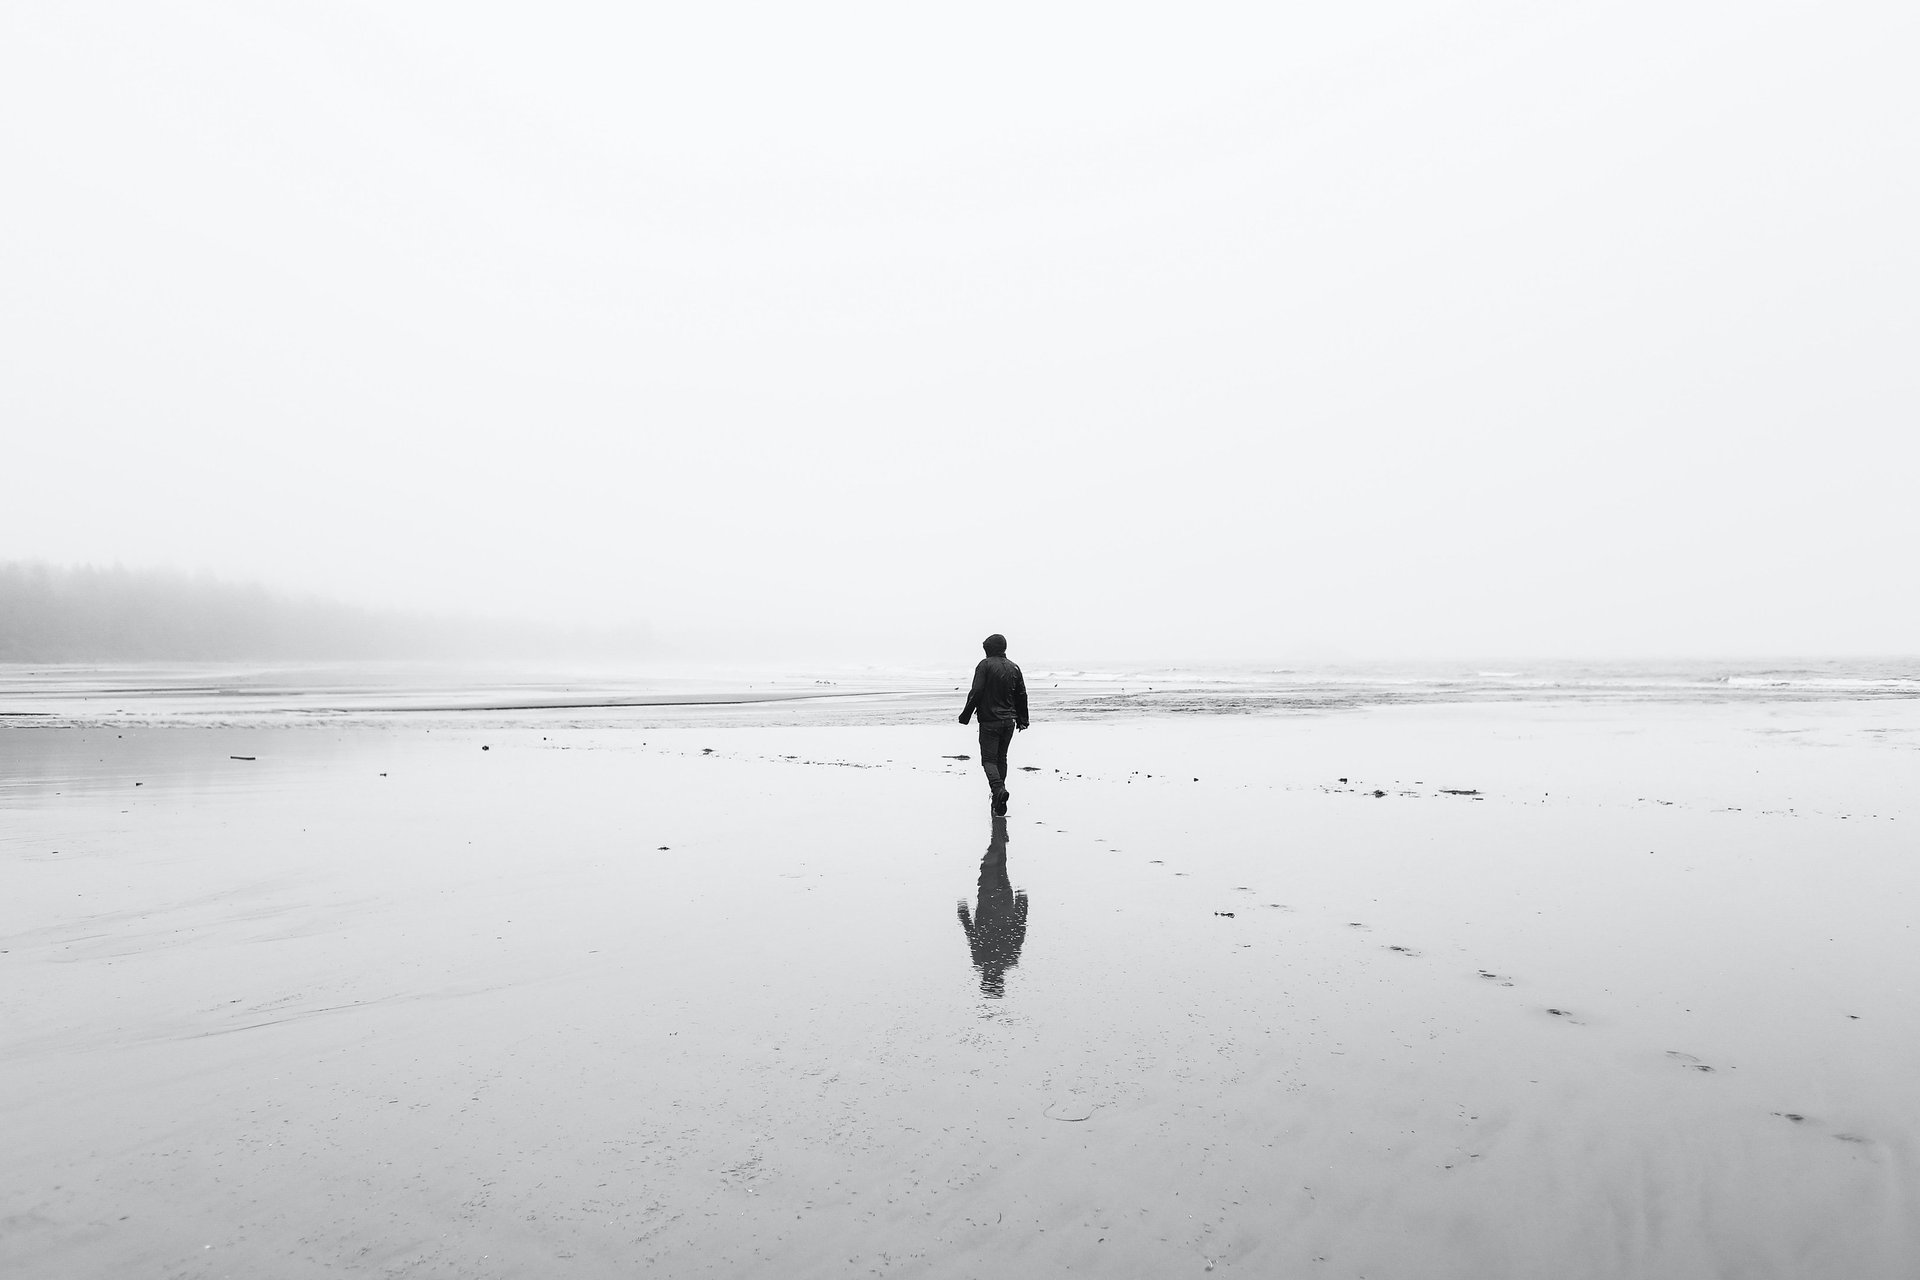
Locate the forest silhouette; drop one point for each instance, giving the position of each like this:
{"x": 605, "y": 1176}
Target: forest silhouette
{"x": 54, "y": 613}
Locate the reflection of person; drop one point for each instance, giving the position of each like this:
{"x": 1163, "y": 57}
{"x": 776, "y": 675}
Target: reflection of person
{"x": 999, "y": 695}
{"x": 998, "y": 925}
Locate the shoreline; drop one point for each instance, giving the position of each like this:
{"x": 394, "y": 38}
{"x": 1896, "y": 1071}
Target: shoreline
{"x": 160, "y": 696}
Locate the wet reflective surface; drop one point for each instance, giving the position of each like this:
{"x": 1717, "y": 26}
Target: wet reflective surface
{"x": 996, "y": 928}
{"x": 691, "y": 1000}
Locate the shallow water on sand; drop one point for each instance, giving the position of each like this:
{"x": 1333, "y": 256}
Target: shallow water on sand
{"x": 710, "y": 998}
{"x": 207, "y": 694}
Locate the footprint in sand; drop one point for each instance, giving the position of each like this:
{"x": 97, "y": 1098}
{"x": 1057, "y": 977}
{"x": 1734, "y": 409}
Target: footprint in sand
{"x": 1405, "y": 951}
{"x": 1568, "y": 1015}
{"x": 1794, "y": 1116}
{"x": 1500, "y": 978}
{"x": 1688, "y": 1061}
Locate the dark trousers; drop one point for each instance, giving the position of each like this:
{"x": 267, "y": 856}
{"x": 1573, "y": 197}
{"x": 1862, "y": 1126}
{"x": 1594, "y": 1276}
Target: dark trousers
{"x": 994, "y": 738}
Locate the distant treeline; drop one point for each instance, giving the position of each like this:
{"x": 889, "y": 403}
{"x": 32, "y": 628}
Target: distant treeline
{"x": 59, "y": 614}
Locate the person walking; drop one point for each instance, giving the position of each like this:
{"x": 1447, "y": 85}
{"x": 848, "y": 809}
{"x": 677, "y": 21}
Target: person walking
{"x": 999, "y": 697}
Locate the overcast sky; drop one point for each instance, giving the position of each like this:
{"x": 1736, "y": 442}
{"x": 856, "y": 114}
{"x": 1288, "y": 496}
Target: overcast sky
{"x": 1269, "y": 330}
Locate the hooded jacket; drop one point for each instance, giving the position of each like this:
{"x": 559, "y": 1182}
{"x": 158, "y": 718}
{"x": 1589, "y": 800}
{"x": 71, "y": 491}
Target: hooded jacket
{"x": 999, "y": 693}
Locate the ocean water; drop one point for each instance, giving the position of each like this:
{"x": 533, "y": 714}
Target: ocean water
{"x": 241, "y": 694}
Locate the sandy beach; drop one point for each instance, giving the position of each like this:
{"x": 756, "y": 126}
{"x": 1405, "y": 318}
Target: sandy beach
{"x": 1475, "y": 989}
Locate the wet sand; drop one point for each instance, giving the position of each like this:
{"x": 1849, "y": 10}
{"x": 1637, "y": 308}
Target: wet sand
{"x": 680, "y": 998}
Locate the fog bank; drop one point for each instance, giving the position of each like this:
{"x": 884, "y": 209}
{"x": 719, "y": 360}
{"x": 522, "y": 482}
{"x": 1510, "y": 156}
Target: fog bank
{"x": 87, "y": 614}
{"x": 1219, "y": 331}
